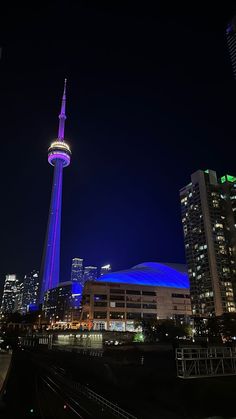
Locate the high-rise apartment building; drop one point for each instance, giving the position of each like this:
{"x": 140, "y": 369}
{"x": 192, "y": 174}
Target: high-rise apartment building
{"x": 20, "y": 295}
{"x": 11, "y": 294}
{"x": 208, "y": 208}
{"x": 62, "y": 303}
{"x": 77, "y": 274}
{"x": 231, "y": 41}
{"x": 105, "y": 269}
{"x": 30, "y": 290}
{"x": 90, "y": 273}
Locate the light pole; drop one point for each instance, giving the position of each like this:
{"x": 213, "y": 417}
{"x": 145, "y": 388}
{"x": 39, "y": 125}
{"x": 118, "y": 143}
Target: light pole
{"x": 39, "y": 321}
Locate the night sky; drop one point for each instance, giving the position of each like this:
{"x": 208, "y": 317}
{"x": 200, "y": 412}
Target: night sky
{"x": 151, "y": 99}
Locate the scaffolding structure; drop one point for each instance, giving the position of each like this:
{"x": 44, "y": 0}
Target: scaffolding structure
{"x": 205, "y": 362}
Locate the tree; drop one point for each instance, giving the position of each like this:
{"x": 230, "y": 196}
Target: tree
{"x": 15, "y": 317}
{"x": 214, "y": 329}
{"x": 228, "y": 325}
{"x": 164, "y": 330}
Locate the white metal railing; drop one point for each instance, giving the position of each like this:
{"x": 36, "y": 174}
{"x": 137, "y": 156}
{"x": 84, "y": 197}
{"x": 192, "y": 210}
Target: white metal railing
{"x": 205, "y": 362}
{"x": 203, "y": 353}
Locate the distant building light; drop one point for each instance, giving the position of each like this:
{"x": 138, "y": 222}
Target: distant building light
{"x": 106, "y": 266}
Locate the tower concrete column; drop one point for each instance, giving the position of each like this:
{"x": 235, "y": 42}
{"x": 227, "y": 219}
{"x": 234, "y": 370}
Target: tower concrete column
{"x": 59, "y": 157}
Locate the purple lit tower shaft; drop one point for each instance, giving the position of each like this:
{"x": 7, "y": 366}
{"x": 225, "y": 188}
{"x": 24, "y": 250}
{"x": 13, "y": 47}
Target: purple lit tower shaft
{"x": 51, "y": 259}
{"x": 59, "y": 157}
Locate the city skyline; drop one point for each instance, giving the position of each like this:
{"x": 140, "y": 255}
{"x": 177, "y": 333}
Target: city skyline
{"x": 28, "y": 281}
{"x": 118, "y": 275}
{"x": 120, "y": 195}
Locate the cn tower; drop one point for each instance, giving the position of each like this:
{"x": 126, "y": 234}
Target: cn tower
{"x": 59, "y": 155}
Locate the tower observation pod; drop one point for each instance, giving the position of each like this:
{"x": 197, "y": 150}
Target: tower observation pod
{"x": 59, "y": 156}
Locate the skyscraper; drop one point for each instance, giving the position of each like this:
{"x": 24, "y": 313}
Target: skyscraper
{"x": 208, "y": 208}
{"x": 30, "y": 290}
{"x": 10, "y": 298}
{"x": 77, "y": 271}
{"x": 105, "y": 269}
{"x": 90, "y": 273}
{"x": 231, "y": 41}
{"x": 59, "y": 155}
{"x": 62, "y": 302}
{"x": 20, "y": 288}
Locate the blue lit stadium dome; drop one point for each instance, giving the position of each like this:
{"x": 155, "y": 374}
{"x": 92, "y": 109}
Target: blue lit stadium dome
{"x": 151, "y": 273}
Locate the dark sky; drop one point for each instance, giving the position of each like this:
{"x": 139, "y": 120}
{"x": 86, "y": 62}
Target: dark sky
{"x": 151, "y": 99}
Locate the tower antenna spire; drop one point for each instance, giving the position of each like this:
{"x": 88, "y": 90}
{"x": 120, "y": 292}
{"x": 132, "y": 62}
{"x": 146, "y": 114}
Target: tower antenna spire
{"x": 62, "y": 115}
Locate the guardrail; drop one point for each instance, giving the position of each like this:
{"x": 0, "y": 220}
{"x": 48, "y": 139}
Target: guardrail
{"x": 116, "y": 410}
{"x": 112, "y": 407}
{"x": 203, "y": 353}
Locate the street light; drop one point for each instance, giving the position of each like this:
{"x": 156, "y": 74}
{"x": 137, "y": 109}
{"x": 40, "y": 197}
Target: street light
{"x": 39, "y": 321}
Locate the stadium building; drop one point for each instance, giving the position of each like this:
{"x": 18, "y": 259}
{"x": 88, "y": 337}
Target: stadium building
{"x": 119, "y": 301}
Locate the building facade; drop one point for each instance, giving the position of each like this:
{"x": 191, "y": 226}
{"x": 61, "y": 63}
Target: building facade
{"x": 119, "y": 301}
{"x": 30, "y": 290}
{"x": 62, "y": 303}
{"x": 11, "y": 294}
{"x": 59, "y": 156}
{"x": 77, "y": 273}
{"x": 208, "y": 207}
{"x": 90, "y": 273}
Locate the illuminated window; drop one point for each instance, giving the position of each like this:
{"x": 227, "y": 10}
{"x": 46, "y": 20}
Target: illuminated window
{"x": 100, "y": 314}
{"x": 117, "y": 315}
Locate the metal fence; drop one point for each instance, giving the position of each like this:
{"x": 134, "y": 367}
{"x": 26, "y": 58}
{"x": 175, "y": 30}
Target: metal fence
{"x": 205, "y": 362}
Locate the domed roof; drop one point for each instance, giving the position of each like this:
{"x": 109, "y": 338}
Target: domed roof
{"x": 151, "y": 273}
